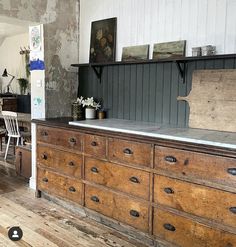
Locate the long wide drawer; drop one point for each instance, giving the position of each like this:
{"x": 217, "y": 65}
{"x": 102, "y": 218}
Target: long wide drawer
{"x": 204, "y": 166}
{"x": 129, "y": 152}
{"x": 65, "y": 162}
{"x": 60, "y": 137}
{"x": 185, "y": 232}
{"x": 196, "y": 199}
{"x": 129, "y": 180}
{"x": 118, "y": 207}
{"x": 59, "y": 185}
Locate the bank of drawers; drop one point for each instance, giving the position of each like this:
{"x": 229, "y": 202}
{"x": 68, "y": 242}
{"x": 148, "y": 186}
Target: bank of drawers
{"x": 118, "y": 207}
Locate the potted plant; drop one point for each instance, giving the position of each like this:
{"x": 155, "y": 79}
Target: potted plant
{"x": 23, "y": 83}
{"x": 91, "y": 107}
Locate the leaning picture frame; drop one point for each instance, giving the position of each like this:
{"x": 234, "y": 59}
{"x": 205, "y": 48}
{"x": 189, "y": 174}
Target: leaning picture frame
{"x": 103, "y": 41}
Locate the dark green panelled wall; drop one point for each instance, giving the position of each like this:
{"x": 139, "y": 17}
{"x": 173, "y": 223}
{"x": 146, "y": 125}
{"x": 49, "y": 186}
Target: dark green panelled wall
{"x": 145, "y": 92}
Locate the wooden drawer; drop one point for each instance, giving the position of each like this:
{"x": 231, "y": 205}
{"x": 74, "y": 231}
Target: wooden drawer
{"x": 118, "y": 207}
{"x": 129, "y": 180}
{"x": 95, "y": 145}
{"x": 64, "y": 138}
{"x": 64, "y": 162}
{"x": 185, "y": 232}
{"x": 196, "y": 199}
{"x": 204, "y": 166}
{"x": 130, "y": 152}
{"x": 59, "y": 185}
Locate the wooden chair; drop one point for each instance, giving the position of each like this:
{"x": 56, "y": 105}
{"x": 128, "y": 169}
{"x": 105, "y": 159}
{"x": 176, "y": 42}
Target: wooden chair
{"x": 12, "y": 128}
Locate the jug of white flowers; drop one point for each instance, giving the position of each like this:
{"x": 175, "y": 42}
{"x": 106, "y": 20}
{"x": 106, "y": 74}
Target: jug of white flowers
{"x": 91, "y": 107}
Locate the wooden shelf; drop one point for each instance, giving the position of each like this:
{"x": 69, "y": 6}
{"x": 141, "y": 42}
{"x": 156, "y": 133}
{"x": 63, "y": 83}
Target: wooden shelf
{"x": 180, "y": 62}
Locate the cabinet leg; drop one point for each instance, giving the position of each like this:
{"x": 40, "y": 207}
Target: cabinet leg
{"x": 38, "y": 193}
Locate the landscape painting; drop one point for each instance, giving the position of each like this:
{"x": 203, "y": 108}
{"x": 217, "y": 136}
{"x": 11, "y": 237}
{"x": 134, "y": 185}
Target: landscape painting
{"x": 174, "y": 49}
{"x": 135, "y": 53}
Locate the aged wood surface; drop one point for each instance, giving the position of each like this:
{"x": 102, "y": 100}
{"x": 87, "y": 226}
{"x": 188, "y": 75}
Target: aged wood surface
{"x": 47, "y": 224}
{"x": 129, "y": 180}
{"x": 212, "y": 100}
{"x": 185, "y": 232}
{"x": 195, "y": 199}
{"x": 209, "y": 167}
{"x": 64, "y": 162}
{"x": 129, "y": 152}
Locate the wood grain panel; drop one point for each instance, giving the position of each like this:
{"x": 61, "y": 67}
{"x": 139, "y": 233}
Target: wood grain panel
{"x": 204, "y": 166}
{"x": 196, "y": 199}
{"x": 129, "y": 152}
{"x": 95, "y": 145}
{"x": 59, "y": 185}
{"x": 117, "y": 207}
{"x": 185, "y": 233}
{"x": 129, "y": 180}
{"x": 64, "y": 162}
{"x": 63, "y": 138}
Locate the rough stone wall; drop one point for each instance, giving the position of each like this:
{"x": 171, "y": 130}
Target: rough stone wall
{"x": 61, "y": 46}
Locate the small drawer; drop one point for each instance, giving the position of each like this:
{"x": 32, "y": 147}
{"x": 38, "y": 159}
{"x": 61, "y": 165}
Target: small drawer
{"x": 59, "y": 185}
{"x": 95, "y": 145}
{"x": 129, "y": 180}
{"x": 64, "y": 162}
{"x": 63, "y": 138}
{"x": 199, "y": 200}
{"x": 202, "y": 166}
{"x": 186, "y": 232}
{"x": 129, "y": 152}
{"x": 117, "y": 207}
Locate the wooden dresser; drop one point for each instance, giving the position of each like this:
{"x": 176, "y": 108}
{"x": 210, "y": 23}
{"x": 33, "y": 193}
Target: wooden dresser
{"x": 181, "y": 193}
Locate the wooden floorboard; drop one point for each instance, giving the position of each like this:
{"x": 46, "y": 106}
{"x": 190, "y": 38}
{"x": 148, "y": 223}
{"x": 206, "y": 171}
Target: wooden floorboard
{"x": 47, "y": 224}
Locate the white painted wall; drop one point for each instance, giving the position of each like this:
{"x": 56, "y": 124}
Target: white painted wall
{"x": 12, "y": 60}
{"x": 200, "y": 22}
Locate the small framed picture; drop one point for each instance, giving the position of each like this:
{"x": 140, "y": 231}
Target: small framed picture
{"x": 135, "y": 53}
{"x": 103, "y": 41}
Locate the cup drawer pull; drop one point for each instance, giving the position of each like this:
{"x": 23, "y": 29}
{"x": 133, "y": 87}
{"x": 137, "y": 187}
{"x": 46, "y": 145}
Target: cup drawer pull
{"x": 134, "y": 213}
{"x": 233, "y": 210}
{"x": 134, "y": 180}
{"x": 170, "y": 159}
{"x": 169, "y": 227}
{"x": 94, "y": 144}
{"x": 72, "y": 140}
{"x": 169, "y": 191}
{"x": 72, "y": 189}
{"x": 232, "y": 171}
{"x": 44, "y": 133}
{"x": 94, "y": 169}
{"x": 71, "y": 163}
{"x": 45, "y": 180}
{"x": 44, "y": 156}
{"x": 127, "y": 151}
{"x": 94, "y": 198}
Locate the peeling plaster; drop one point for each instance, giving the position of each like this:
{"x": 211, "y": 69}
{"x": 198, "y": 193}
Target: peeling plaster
{"x": 50, "y": 15}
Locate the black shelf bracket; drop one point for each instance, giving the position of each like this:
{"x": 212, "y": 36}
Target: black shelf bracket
{"x": 181, "y": 65}
{"x": 98, "y": 71}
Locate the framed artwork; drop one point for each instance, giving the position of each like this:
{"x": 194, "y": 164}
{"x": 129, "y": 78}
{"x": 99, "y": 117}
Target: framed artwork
{"x": 135, "y": 53}
{"x": 103, "y": 41}
{"x": 175, "y": 49}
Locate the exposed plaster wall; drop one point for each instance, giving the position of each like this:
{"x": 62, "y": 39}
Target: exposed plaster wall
{"x": 61, "y": 36}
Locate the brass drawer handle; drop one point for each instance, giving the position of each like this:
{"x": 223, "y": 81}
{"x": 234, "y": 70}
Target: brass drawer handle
{"x": 232, "y": 210}
{"x": 127, "y": 151}
{"x": 169, "y": 227}
{"x": 170, "y": 159}
{"x": 232, "y": 171}
{"x": 94, "y": 198}
{"x": 71, "y": 163}
{"x": 72, "y": 140}
{"x": 44, "y": 156}
{"x": 134, "y": 180}
{"x": 72, "y": 189}
{"x": 94, "y": 144}
{"x": 45, "y": 180}
{"x": 134, "y": 213}
{"x": 168, "y": 191}
{"x": 44, "y": 133}
{"x": 94, "y": 169}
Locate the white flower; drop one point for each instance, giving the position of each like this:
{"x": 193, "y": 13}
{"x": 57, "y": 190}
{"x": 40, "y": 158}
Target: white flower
{"x": 80, "y": 100}
{"x": 90, "y": 102}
